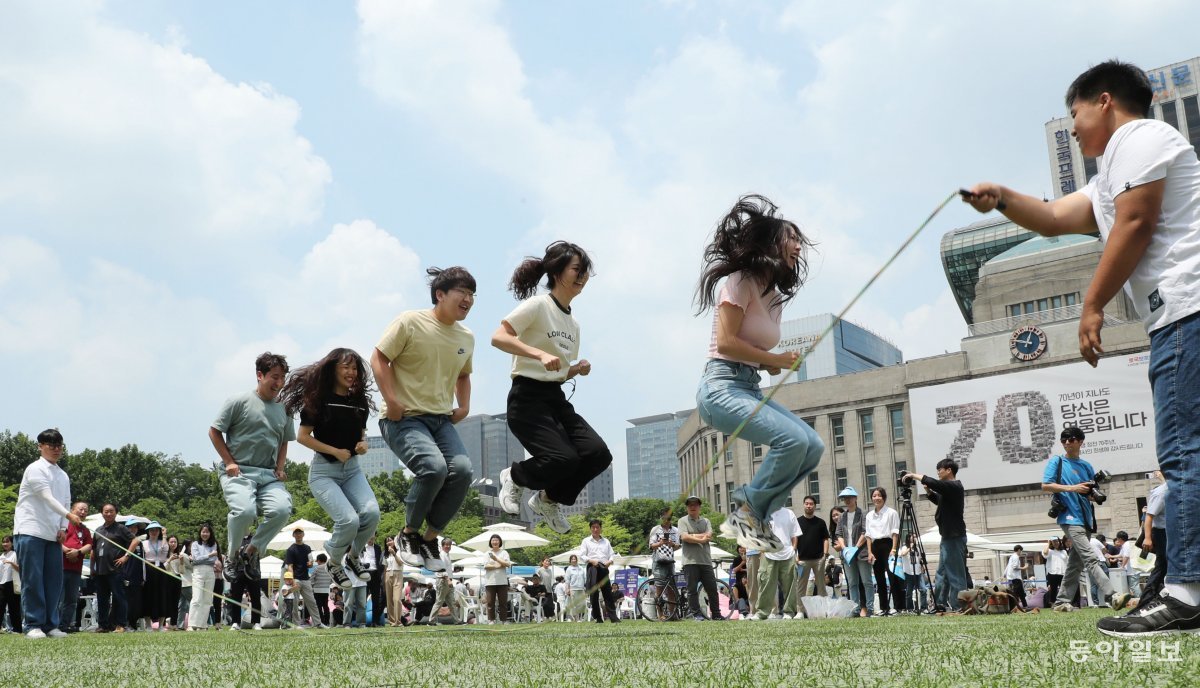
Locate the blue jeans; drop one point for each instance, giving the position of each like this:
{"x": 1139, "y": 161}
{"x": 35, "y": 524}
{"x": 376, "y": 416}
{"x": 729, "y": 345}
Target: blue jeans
{"x": 69, "y": 603}
{"x": 356, "y": 607}
{"x": 952, "y": 572}
{"x": 344, "y": 493}
{"x": 859, "y": 571}
{"x": 430, "y": 447}
{"x": 245, "y": 494}
{"x": 1174, "y": 379}
{"x": 110, "y": 600}
{"x": 41, "y": 580}
{"x": 728, "y": 394}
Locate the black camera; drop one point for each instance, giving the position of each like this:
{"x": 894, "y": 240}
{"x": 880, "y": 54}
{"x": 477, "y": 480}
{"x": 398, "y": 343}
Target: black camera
{"x": 1057, "y": 506}
{"x": 905, "y": 479}
{"x": 1096, "y": 495}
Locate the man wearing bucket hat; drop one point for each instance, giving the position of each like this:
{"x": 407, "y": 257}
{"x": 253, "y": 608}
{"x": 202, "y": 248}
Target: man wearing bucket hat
{"x": 850, "y": 539}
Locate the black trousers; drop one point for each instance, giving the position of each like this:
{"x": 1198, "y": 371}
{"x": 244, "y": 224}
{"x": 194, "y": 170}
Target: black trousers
{"x": 1016, "y": 588}
{"x": 698, "y": 575}
{"x": 1154, "y": 584}
{"x": 375, "y": 590}
{"x": 238, "y": 588}
{"x": 322, "y": 599}
{"x": 598, "y": 583}
{"x": 881, "y": 549}
{"x": 1053, "y": 580}
{"x": 11, "y": 602}
{"x": 565, "y": 452}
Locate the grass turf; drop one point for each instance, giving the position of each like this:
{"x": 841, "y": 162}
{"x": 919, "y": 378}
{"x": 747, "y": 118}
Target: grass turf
{"x": 1029, "y": 650}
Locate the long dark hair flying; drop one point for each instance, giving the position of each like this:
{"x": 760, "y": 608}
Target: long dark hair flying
{"x": 750, "y": 239}
{"x": 558, "y": 257}
{"x": 309, "y": 388}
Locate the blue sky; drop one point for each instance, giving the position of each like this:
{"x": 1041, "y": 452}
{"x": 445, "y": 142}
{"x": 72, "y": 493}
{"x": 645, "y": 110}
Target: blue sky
{"x": 184, "y": 185}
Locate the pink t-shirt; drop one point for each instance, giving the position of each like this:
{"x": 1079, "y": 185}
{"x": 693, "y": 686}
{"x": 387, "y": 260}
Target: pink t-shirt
{"x": 760, "y": 324}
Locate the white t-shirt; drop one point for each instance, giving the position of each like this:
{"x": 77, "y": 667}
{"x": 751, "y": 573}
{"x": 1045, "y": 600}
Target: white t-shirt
{"x": 1128, "y": 551}
{"x": 540, "y": 323}
{"x": 1156, "y": 504}
{"x": 43, "y": 501}
{"x": 1056, "y": 562}
{"x": 496, "y": 576}
{"x": 785, "y": 526}
{"x": 1099, "y": 548}
{"x": 1163, "y": 286}
{"x": 6, "y": 569}
{"x": 1013, "y": 570}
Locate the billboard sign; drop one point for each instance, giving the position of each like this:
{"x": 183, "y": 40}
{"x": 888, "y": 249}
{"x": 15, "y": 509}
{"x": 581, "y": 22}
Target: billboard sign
{"x": 1002, "y": 429}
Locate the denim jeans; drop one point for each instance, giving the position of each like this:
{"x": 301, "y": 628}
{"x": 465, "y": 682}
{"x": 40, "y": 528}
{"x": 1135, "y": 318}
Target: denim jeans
{"x": 728, "y": 394}
{"x": 110, "y": 600}
{"x": 184, "y": 604}
{"x": 41, "y": 580}
{"x": 430, "y": 447}
{"x": 1174, "y": 379}
{"x": 344, "y": 493}
{"x": 952, "y": 572}
{"x": 356, "y": 607}
{"x": 859, "y": 571}
{"x": 68, "y": 605}
{"x": 245, "y": 494}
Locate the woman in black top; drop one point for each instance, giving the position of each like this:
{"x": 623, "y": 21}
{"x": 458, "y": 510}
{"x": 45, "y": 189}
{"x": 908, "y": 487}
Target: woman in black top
{"x": 333, "y": 397}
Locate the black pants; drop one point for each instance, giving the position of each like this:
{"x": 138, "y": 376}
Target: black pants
{"x": 11, "y": 602}
{"x": 1053, "y": 580}
{"x": 110, "y": 600}
{"x": 378, "y": 604}
{"x": 881, "y": 549}
{"x": 1154, "y": 584}
{"x": 698, "y": 575}
{"x": 238, "y": 588}
{"x": 899, "y": 592}
{"x": 565, "y": 452}
{"x": 322, "y": 599}
{"x": 598, "y": 583}
{"x": 1016, "y": 588}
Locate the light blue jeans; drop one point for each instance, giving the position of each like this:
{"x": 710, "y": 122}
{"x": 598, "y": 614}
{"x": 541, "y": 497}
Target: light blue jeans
{"x": 356, "y": 607}
{"x": 727, "y": 396}
{"x": 344, "y": 493}
{"x": 430, "y": 447}
{"x": 256, "y": 488}
{"x": 859, "y": 571}
{"x": 1175, "y": 379}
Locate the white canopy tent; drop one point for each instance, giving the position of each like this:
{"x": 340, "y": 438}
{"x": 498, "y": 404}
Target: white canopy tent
{"x": 314, "y": 534}
{"x": 514, "y": 537}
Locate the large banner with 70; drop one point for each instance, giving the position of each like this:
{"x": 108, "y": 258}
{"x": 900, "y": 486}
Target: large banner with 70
{"x": 1002, "y": 429}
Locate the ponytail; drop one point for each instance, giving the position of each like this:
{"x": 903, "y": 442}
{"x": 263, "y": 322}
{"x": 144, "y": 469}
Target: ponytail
{"x": 525, "y": 278}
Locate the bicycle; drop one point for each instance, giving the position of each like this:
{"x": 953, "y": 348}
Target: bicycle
{"x": 671, "y": 603}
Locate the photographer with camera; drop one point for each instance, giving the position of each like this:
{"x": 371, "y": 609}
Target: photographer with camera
{"x": 948, "y": 494}
{"x": 1074, "y": 484}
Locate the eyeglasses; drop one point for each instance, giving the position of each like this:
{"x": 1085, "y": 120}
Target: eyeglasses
{"x": 52, "y": 445}
{"x": 1071, "y": 439}
{"x": 467, "y": 293}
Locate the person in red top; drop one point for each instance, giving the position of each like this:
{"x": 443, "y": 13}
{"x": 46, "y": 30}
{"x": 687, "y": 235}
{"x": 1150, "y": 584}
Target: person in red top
{"x": 76, "y": 547}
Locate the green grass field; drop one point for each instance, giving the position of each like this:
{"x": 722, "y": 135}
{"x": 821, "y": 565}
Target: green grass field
{"x": 1031, "y": 650}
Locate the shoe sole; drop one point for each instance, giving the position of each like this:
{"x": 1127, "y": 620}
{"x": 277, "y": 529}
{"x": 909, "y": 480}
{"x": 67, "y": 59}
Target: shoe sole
{"x": 1148, "y": 634}
{"x": 506, "y": 479}
{"x": 556, "y": 527}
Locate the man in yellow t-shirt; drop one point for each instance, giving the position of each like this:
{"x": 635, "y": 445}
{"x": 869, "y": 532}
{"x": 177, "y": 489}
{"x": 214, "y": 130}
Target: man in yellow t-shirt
{"x": 421, "y": 364}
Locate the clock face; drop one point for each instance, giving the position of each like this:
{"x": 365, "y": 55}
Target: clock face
{"x": 1027, "y": 343}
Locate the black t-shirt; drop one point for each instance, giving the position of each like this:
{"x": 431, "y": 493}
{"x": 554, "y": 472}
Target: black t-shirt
{"x": 297, "y": 557}
{"x": 814, "y": 533}
{"x": 339, "y": 424}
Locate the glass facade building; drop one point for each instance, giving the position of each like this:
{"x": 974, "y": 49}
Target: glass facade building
{"x": 965, "y": 250}
{"x": 491, "y": 446}
{"x": 848, "y": 348}
{"x": 650, "y": 449}
{"x": 379, "y": 458}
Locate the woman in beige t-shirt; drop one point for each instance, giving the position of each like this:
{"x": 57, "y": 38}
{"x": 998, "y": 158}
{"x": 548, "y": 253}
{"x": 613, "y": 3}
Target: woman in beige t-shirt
{"x": 543, "y": 338}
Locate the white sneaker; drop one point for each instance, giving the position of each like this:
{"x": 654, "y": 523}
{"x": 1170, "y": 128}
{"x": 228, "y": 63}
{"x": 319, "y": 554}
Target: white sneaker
{"x": 55, "y": 633}
{"x": 775, "y": 617}
{"x": 35, "y": 634}
{"x": 510, "y": 493}
{"x": 257, "y": 627}
{"x": 551, "y": 512}
{"x": 750, "y": 532}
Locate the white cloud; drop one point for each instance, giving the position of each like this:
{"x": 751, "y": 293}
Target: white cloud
{"x": 110, "y": 135}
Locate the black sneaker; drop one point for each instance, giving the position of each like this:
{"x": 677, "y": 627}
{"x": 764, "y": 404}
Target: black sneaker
{"x": 430, "y": 558}
{"x": 249, "y": 564}
{"x": 231, "y": 567}
{"x": 338, "y": 574}
{"x": 1164, "y": 616}
{"x": 409, "y": 548}
{"x": 356, "y": 567}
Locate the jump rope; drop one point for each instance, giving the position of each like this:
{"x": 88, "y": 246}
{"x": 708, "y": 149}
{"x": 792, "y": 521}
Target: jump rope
{"x": 683, "y": 495}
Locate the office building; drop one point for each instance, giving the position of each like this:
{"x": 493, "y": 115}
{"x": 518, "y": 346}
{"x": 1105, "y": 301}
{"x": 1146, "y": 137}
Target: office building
{"x": 650, "y": 452}
{"x": 848, "y": 348}
{"x": 379, "y": 458}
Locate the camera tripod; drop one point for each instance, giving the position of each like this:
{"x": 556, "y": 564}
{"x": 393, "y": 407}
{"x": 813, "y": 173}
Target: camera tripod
{"x": 908, "y": 523}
